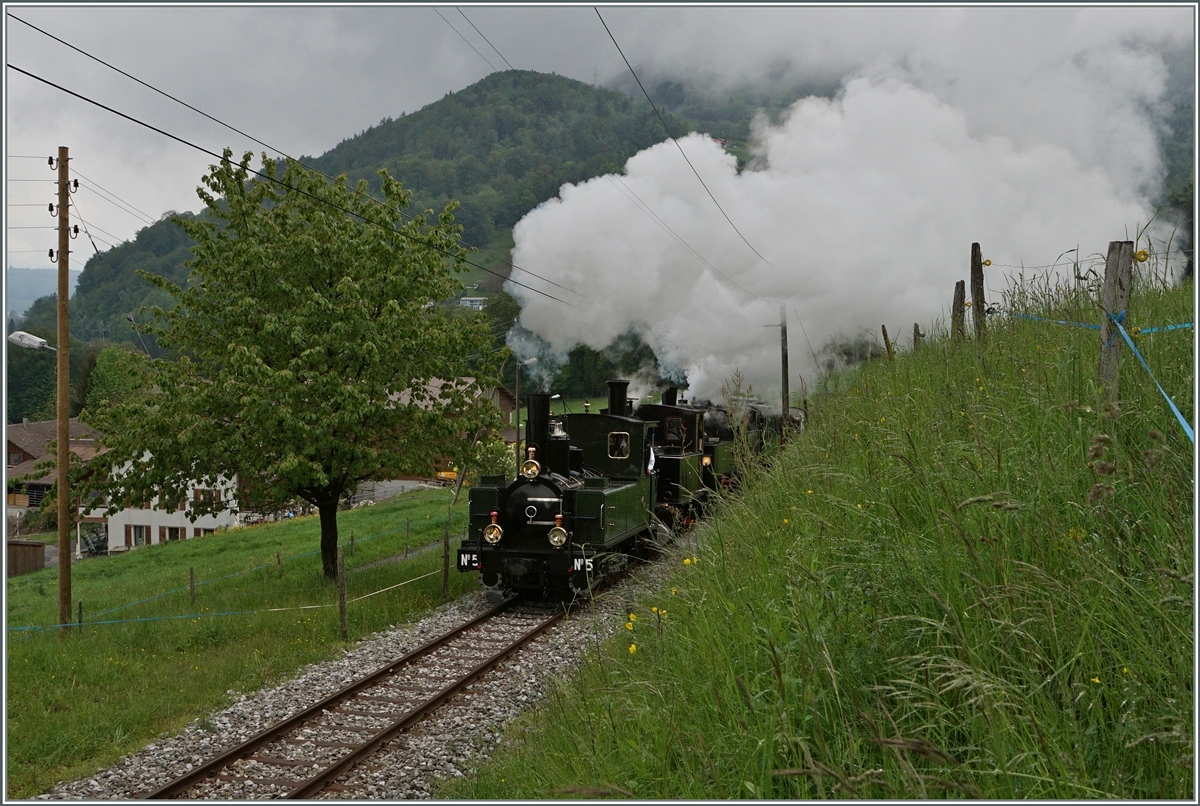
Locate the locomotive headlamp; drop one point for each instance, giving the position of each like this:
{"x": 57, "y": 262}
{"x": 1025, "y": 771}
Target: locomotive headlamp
{"x": 530, "y": 468}
{"x": 706, "y": 461}
{"x": 492, "y": 532}
{"x": 558, "y": 535}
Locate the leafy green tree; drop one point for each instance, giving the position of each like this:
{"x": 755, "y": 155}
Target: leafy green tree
{"x": 309, "y": 350}
{"x": 119, "y": 375}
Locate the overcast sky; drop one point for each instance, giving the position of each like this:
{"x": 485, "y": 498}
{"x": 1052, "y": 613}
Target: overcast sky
{"x": 304, "y": 78}
{"x": 1027, "y": 99}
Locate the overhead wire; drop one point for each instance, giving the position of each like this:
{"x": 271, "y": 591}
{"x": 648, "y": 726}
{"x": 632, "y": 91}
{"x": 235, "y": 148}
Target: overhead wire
{"x": 463, "y": 38}
{"x": 674, "y": 140}
{"x": 264, "y": 176}
{"x": 281, "y": 152}
{"x": 96, "y": 186}
{"x": 79, "y": 213}
{"x": 617, "y": 181}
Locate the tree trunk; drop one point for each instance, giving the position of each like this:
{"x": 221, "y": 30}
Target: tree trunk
{"x": 329, "y": 535}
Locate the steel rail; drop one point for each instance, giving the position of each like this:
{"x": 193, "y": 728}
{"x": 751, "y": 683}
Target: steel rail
{"x": 202, "y": 771}
{"x": 319, "y": 781}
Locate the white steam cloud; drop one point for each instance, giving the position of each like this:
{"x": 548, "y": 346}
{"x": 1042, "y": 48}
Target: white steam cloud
{"x": 864, "y": 206}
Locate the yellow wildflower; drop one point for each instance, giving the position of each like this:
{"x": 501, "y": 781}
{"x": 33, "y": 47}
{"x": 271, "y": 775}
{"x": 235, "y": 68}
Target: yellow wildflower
{"x": 785, "y": 521}
{"x": 662, "y": 613}
{"x": 810, "y": 492}
{"x": 687, "y": 560}
{"x": 673, "y": 591}
{"x": 633, "y": 616}
{"x": 1095, "y": 679}
{"x": 881, "y": 419}
{"x": 654, "y": 610}
{"x": 695, "y": 559}
{"x": 860, "y": 506}
{"x": 629, "y": 625}
{"x": 632, "y": 648}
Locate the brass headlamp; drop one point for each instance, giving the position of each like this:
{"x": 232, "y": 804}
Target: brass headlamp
{"x": 558, "y": 535}
{"x": 492, "y": 532}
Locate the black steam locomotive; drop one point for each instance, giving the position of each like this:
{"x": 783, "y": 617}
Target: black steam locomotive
{"x": 596, "y": 489}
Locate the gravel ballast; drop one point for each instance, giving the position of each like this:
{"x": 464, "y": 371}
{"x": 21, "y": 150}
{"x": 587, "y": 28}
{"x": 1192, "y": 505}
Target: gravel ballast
{"x": 447, "y": 744}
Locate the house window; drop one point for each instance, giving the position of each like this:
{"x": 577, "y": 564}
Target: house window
{"x": 208, "y": 496}
{"x": 14, "y": 458}
{"x": 199, "y": 532}
{"x": 175, "y": 533}
{"x": 141, "y": 535}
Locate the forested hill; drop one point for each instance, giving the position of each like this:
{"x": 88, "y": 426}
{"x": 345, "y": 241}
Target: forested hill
{"x": 500, "y": 147}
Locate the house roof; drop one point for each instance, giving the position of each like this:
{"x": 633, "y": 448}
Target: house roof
{"x": 85, "y": 449}
{"x": 34, "y": 437}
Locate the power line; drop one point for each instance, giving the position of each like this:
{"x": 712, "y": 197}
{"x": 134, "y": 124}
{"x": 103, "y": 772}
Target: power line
{"x": 676, "y": 142}
{"x": 75, "y": 204}
{"x": 463, "y": 38}
{"x": 261, "y": 175}
{"x": 117, "y": 203}
{"x": 615, "y": 180}
{"x": 120, "y": 205}
{"x": 96, "y": 185}
{"x": 280, "y": 151}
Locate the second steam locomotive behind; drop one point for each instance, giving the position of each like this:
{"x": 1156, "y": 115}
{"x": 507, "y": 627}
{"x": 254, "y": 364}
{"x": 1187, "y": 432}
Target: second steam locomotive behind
{"x": 595, "y": 489}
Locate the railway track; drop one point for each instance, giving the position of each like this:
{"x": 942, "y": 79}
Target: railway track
{"x": 303, "y": 756}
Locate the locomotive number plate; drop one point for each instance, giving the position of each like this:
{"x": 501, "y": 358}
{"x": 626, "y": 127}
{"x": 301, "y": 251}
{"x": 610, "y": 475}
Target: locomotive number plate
{"x": 468, "y": 560}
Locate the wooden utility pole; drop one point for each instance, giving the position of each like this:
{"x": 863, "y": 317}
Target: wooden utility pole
{"x": 783, "y": 352}
{"x": 1118, "y": 282}
{"x": 64, "y": 391}
{"x": 977, "y": 303}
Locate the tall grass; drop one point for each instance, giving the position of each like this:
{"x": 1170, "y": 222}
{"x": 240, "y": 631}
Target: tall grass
{"x": 149, "y": 660}
{"x": 968, "y": 578}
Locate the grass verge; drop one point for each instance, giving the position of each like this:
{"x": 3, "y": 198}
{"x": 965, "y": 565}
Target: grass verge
{"x": 968, "y": 578}
{"x": 149, "y": 660}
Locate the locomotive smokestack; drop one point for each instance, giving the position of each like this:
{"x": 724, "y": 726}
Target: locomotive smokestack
{"x": 616, "y": 397}
{"x": 537, "y": 427}
{"x": 671, "y": 396}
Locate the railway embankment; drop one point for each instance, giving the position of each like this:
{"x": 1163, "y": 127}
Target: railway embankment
{"x": 971, "y": 576}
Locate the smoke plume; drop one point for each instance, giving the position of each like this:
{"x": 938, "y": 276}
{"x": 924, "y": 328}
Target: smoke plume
{"x": 864, "y": 206}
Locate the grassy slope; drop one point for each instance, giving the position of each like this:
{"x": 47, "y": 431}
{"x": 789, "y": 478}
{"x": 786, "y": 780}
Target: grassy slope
{"x": 940, "y": 590}
{"x": 79, "y": 704}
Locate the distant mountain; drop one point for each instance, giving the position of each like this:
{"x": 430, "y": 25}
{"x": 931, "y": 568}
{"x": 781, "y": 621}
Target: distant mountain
{"x": 23, "y": 286}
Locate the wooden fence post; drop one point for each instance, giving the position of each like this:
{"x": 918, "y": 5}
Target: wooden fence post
{"x": 279, "y": 563}
{"x": 446, "y": 558}
{"x": 916, "y": 335}
{"x": 341, "y": 572}
{"x": 81, "y": 614}
{"x": 887, "y": 344}
{"x": 958, "y": 312}
{"x": 977, "y": 303}
{"x": 1118, "y": 279}
{"x": 351, "y": 543}
{"x": 192, "y": 582}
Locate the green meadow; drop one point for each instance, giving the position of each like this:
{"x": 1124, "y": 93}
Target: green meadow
{"x": 149, "y": 659}
{"x": 970, "y": 577}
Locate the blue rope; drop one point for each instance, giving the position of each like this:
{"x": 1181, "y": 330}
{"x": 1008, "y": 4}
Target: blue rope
{"x": 1187, "y": 428}
{"x": 1165, "y": 327}
{"x": 1121, "y": 316}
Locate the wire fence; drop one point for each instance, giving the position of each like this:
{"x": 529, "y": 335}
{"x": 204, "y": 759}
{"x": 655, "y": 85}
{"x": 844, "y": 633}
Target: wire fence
{"x": 373, "y": 573}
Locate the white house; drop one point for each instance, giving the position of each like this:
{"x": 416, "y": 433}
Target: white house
{"x": 130, "y": 528}
{"x": 121, "y": 529}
